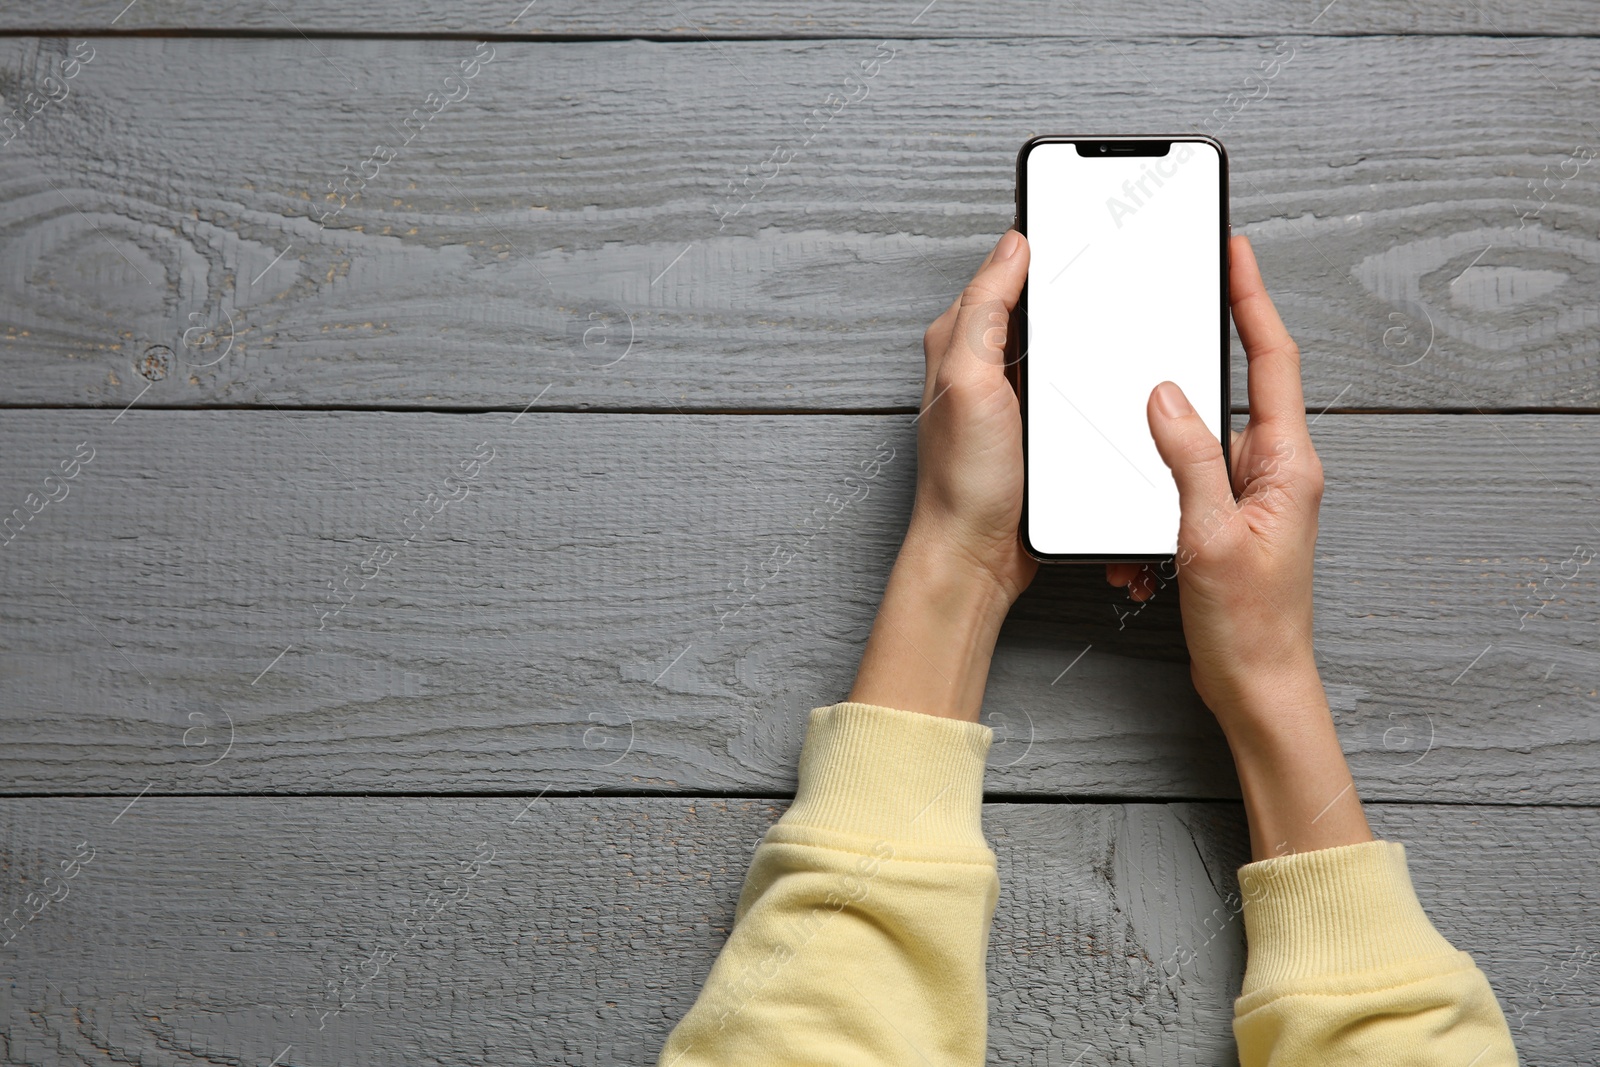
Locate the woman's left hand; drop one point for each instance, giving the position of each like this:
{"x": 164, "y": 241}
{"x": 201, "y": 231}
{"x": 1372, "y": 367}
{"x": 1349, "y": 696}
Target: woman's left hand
{"x": 961, "y": 565}
{"x": 969, "y": 437}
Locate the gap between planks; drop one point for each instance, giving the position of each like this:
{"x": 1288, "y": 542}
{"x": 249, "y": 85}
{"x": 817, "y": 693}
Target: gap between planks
{"x": 997, "y": 798}
{"x": 678, "y": 409}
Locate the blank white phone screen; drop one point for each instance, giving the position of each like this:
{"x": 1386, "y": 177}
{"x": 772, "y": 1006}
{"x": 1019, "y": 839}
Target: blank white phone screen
{"x": 1124, "y": 292}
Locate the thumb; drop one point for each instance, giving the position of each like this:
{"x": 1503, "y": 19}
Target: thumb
{"x": 1193, "y": 455}
{"x": 984, "y": 309}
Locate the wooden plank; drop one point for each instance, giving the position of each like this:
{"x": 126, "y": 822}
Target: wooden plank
{"x": 688, "y": 20}
{"x": 606, "y": 224}
{"x": 645, "y": 602}
{"x": 318, "y": 930}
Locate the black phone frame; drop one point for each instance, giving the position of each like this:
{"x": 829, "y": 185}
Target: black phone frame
{"x": 1017, "y": 355}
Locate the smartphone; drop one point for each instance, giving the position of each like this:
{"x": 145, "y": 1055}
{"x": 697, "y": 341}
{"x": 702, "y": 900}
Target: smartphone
{"x": 1127, "y": 287}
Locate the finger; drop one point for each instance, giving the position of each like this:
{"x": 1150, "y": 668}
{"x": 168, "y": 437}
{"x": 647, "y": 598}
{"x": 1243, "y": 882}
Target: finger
{"x": 984, "y": 308}
{"x": 1137, "y": 578}
{"x": 936, "y": 341}
{"x": 1193, "y": 456}
{"x": 1274, "y": 358}
{"x": 942, "y": 326}
{"x": 1120, "y": 574}
{"x": 1143, "y": 585}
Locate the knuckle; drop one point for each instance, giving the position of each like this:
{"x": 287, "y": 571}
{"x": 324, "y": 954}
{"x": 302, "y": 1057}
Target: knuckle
{"x": 1197, "y": 448}
{"x": 1307, "y": 467}
{"x": 946, "y": 385}
{"x": 1315, "y": 483}
{"x": 1314, "y": 467}
{"x": 1268, "y": 348}
{"x": 981, "y": 330}
{"x": 981, "y": 309}
{"x": 1284, "y": 349}
{"x": 977, "y": 296}
{"x": 957, "y": 388}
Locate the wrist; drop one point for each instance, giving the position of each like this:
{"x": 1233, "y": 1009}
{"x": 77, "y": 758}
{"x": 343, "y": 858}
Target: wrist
{"x": 1270, "y": 701}
{"x": 937, "y": 562}
{"x": 932, "y": 641}
{"x": 932, "y": 551}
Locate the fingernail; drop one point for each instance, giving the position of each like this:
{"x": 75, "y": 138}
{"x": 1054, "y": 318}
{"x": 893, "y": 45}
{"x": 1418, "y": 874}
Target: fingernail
{"x": 1172, "y": 402}
{"x": 1008, "y": 245}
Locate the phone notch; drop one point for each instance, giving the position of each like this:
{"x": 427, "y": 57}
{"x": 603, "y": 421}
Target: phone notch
{"x": 1124, "y": 148}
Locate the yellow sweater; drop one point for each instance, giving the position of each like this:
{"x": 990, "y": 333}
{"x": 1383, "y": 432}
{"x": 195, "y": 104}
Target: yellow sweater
{"x": 861, "y": 934}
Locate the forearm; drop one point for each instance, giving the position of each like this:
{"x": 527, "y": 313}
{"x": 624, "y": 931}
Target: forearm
{"x": 934, "y": 635}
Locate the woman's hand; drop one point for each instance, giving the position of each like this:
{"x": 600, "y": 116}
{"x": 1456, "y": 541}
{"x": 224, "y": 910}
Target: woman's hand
{"x": 969, "y": 436}
{"x": 1243, "y": 565}
{"x": 962, "y": 564}
{"x": 1245, "y": 552}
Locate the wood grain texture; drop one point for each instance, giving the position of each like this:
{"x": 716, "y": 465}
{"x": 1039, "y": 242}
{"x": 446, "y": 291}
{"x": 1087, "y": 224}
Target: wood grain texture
{"x": 689, "y": 19}
{"x": 647, "y": 602}
{"x": 227, "y": 931}
{"x": 609, "y": 219}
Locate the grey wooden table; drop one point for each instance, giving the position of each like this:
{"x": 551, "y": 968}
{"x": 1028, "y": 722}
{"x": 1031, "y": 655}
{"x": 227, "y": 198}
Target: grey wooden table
{"x": 405, "y": 405}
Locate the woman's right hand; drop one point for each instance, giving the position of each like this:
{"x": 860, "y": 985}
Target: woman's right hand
{"x": 1245, "y": 550}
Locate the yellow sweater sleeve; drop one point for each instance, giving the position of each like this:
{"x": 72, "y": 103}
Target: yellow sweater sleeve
{"x": 1345, "y": 968}
{"x": 861, "y": 934}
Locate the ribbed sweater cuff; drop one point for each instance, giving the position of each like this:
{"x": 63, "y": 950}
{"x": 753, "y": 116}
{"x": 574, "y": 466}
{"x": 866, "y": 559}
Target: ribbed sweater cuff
{"x": 892, "y": 775}
{"x": 1333, "y": 912}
